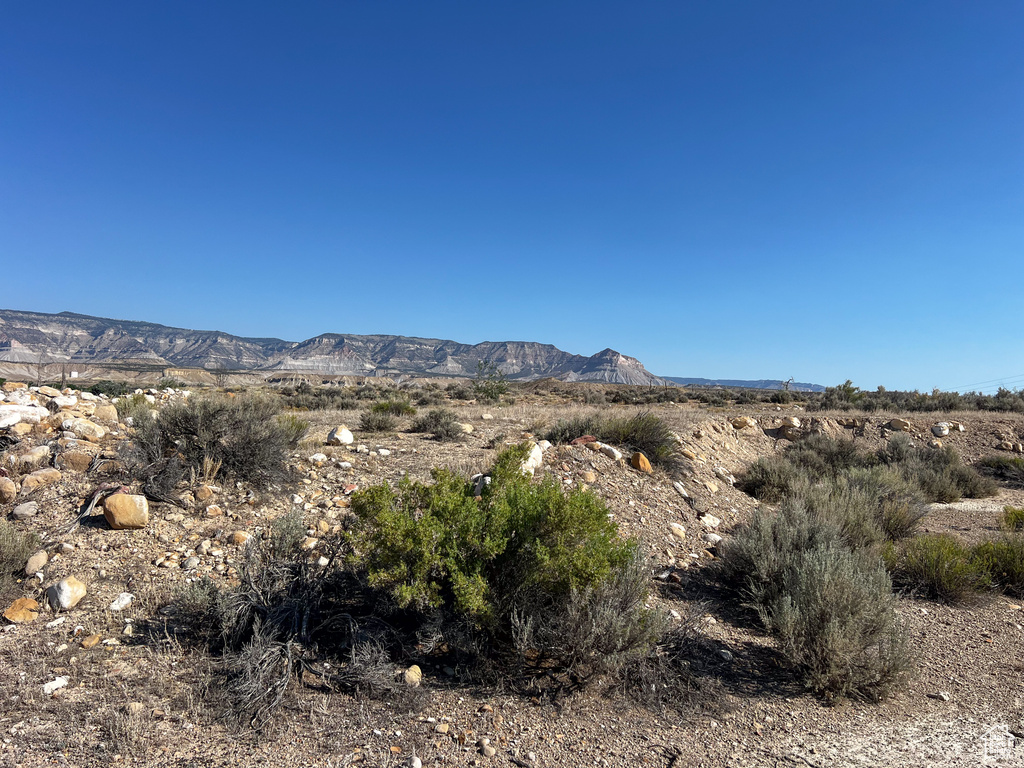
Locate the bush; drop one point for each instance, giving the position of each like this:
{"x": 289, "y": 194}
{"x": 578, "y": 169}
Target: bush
{"x": 537, "y": 570}
{"x": 441, "y": 423}
{"x": 110, "y": 388}
{"x": 15, "y": 550}
{"x": 567, "y": 430}
{"x": 394, "y": 406}
{"x": 133, "y": 406}
{"x": 1002, "y": 562}
{"x": 1012, "y": 519}
{"x": 770, "y": 478}
{"x": 937, "y": 566}
{"x": 242, "y": 436}
{"x": 373, "y": 421}
{"x": 490, "y": 383}
{"x": 1008, "y": 468}
{"x": 835, "y": 620}
{"x": 294, "y": 428}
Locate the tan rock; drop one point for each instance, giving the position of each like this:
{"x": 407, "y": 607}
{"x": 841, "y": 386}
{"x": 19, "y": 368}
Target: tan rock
{"x": 21, "y": 429}
{"x": 238, "y": 537}
{"x": 39, "y": 479}
{"x": 126, "y": 511}
{"x": 594, "y": 446}
{"x": 688, "y": 454}
{"x": 589, "y": 477}
{"x": 711, "y": 486}
{"x": 37, "y": 562}
{"x": 8, "y": 490}
{"x": 935, "y": 443}
{"x": 86, "y": 429}
{"x": 32, "y": 459}
{"x": 10, "y": 386}
{"x": 789, "y": 432}
{"x": 76, "y": 461}
{"x": 640, "y": 462}
{"x": 900, "y": 425}
{"x": 744, "y": 422}
{"x": 66, "y": 594}
{"x": 49, "y": 391}
{"x": 106, "y": 413}
{"x": 678, "y": 530}
{"x": 22, "y": 610}
{"x": 203, "y": 493}
{"x": 413, "y": 676}
{"x": 91, "y": 641}
{"x": 791, "y": 421}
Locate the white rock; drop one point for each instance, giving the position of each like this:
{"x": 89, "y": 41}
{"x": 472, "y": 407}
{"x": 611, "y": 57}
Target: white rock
{"x": 680, "y": 489}
{"x": 383, "y": 452}
{"x": 65, "y": 401}
{"x": 611, "y": 452}
{"x": 712, "y": 538}
{"x": 296, "y": 499}
{"x": 677, "y": 530}
{"x": 122, "y": 601}
{"x": 340, "y": 436}
{"x": 941, "y": 429}
{"x": 711, "y": 521}
{"x": 725, "y": 476}
{"x": 533, "y": 460}
{"x": 544, "y": 445}
{"x": 318, "y": 458}
{"x": 55, "y": 685}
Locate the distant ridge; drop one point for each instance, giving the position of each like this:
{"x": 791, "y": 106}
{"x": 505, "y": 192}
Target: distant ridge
{"x": 796, "y": 386}
{"x": 32, "y": 338}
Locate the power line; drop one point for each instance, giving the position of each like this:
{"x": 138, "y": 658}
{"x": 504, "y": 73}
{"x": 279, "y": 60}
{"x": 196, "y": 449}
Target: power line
{"x": 1000, "y": 381}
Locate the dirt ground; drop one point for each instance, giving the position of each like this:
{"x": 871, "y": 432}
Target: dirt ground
{"x": 135, "y": 700}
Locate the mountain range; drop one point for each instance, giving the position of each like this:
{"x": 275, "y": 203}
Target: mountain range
{"x": 81, "y": 341}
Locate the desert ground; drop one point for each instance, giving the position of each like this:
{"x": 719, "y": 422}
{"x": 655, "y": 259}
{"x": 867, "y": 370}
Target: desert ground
{"x": 136, "y": 692}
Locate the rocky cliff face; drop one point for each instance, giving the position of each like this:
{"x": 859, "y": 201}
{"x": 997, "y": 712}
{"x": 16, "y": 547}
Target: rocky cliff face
{"x": 34, "y": 337}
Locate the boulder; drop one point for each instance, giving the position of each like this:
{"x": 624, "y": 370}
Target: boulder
{"x": 941, "y": 429}
{"x": 66, "y": 594}
{"x": 49, "y": 391}
{"x": 39, "y": 479}
{"x": 340, "y": 435}
{"x": 76, "y": 461}
{"x": 641, "y": 462}
{"x": 791, "y": 421}
{"x": 86, "y": 429}
{"x": 744, "y": 422}
{"x": 22, "y": 610}
{"x": 789, "y": 432}
{"x": 105, "y": 413}
{"x": 900, "y": 425}
{"x": 32, "y": 459}
{"x": 124, "y": 511}
{"x": 64, "y": 401}
{"x": 8, "y": 490}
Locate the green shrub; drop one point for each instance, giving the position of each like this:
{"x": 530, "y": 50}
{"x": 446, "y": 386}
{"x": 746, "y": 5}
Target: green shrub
{"x": 490, "y": 383}
{"x": 527, "y": 563}
{"x": 1012, "y": 518}
{"x": 567, "y": 430}
{"x": 242, "y": 436}
{"x": 133, "y": 406}
{"x": 110, "y": 388}
{"x": 395, "y": 406}
{"x": 835, "y": 620}
{"x": 15, "y": 550}
{"x": 1002, "y": 562}
{"x": 441, "y": 423}
{"x": 938, "y": 472}
{"x": 373, "y": 421}
{"x": 770, "y": 478}
{"x": 937, "y": 566}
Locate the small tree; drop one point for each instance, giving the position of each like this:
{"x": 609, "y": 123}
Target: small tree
{"x": 490, "y": 383}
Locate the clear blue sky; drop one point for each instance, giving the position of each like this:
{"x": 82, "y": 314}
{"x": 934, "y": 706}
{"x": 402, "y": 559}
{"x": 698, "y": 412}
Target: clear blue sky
{"x": 825, "y": 190}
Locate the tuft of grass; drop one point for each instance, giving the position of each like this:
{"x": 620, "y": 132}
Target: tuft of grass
{"x": 937, "y": 566}
{"x": 1002, "y": 561}
{"x": 374, "y": 421}
{"x": 644, "y": 432}
{"x": 15, "y": 549}
{"x": 1012, "y": 518}
{"x": 295, "y": 428}
{"x": 394, "y": 406}
{"x": 1007, "y": 468}
{"x": 441, "y": 423}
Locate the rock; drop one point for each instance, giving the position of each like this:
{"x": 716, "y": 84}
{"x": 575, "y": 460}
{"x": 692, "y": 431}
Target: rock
{"x": 106, "y": 413}
{"x": 415, "y": 762}
{"x": 594, "y": 446}
{"x": 21, "y": 429}
{"x": 791, "y": 421}
{"x": 8, "y": 490}
{"x": 711, "y": 486}
{"x": 610, "y": 452}
{"x": 488, "y": 751}
{"x": 640, "y": 462}
{"x": 744, "y": 422}
{"x": 533, "y": 460}
{"x": 441, "y": 728}
{"x": 91, "y": 641}
{"x": 33, "y": 459}
{"x": 37, "y": 562}
{"x": 486, "y": 417}
{"x": 190, "y": 563}
{"x": 583, "y": 440}
{"x": 941, "y": 429}
{"x": 64, "y": 401}
{"x": 49, "y": 391}
{"x": 238, "y": 537}
{"x": 340, "y": 435}
{"x": 413, "y": 676}
{"x": 725, "y": 476}
{"x": 789, "y": 432}
{"x": 688, "y": 454}
{"x": 935, "y": 443}
{"x": 203, "y": 493}
{"x": 22, "y": 610}
{"x": 678, "y": 530}
{"x": 84, "y": 428}
{"x": 125, "y": 511}
{"x": 122, "y": 601}
{"x": 467, "y": 428}
{"x": 26, "y": 510}
{"x": 76, "y": 461}
{"x": 589, "y": 477}
{"x": 956, "y": 426}
{"x": 65, "y": 594}
{"x": 940, "y": 696}
{"x": 680, "y": 489}
{"x": 384, "y": 452}
{"x": 711, "y": 521}
{"x": 712, "y": 538}
{"x": 308, "y": 543}
{"x": 725, "y": 654}
{"x": 39, "y": 479}
{"x": 900, "y": 425}
{"x": 55, "y": 685}
{"x": 318, "y": 459}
